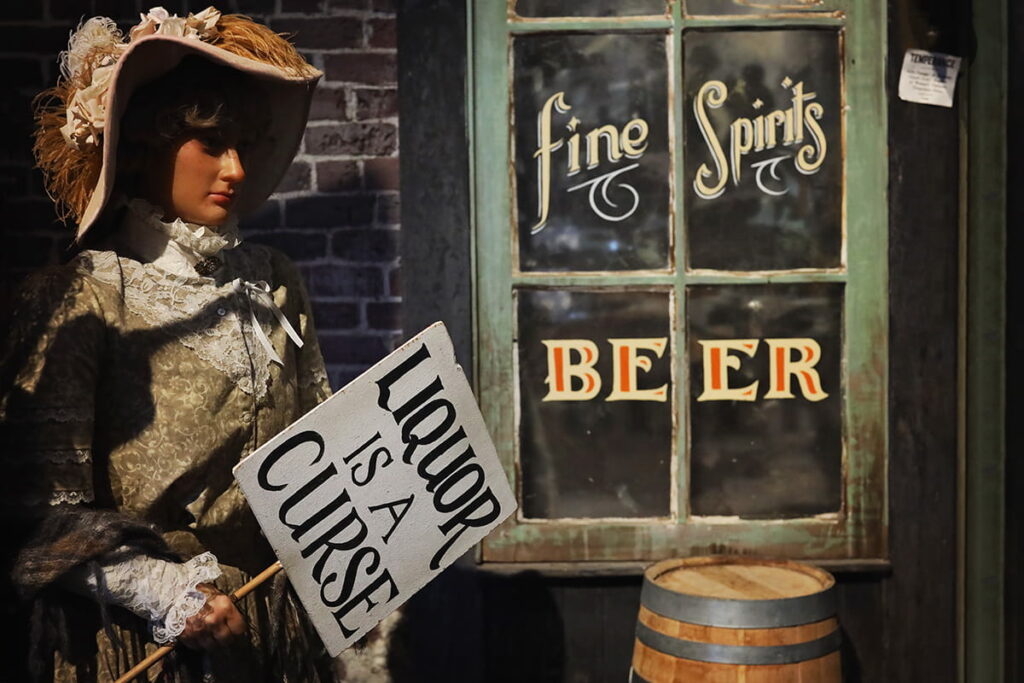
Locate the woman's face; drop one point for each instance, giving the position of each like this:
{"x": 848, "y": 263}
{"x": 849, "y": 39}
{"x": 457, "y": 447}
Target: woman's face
{"x": 198, "y": 178}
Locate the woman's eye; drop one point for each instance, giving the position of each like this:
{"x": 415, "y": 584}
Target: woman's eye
{"x": 213, "y": 144}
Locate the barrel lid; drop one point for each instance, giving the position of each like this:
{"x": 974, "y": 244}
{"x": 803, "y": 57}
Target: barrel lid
{"x": 739, "y": 591}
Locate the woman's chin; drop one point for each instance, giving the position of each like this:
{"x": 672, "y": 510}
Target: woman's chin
{"x": 213, "y": 216}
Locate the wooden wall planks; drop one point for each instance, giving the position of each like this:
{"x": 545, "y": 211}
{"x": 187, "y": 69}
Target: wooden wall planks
{"x": 435, "y": 248}
{"x": 919, "y": 598}
{"x": 1014, "y": 353}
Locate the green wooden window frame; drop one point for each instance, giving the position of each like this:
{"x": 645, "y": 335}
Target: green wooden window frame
{"x": 857, "y": 533}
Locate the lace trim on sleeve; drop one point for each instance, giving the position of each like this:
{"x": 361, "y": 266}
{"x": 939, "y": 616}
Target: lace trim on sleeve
{"x": 69, "y": 497}
{"x": 23, "y": 502}
{"x": 40, "y": 477}
{"x": 200, "y": 569}
{"x": 55, "y": 456}
{"x": 163, "y": 593}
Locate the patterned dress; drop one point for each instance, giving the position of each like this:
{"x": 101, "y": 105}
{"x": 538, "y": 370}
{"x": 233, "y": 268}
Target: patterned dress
{"x": 134, "y": 389}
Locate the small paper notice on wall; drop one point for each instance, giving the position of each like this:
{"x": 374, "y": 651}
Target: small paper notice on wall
{"x": 929, "y": 77}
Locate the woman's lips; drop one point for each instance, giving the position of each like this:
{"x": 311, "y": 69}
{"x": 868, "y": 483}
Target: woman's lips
{"x": 221, "y": 198}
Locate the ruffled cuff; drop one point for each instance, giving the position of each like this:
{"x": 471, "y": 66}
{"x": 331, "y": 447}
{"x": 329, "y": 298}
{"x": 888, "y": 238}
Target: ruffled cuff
{"x": 200, "y": 569}
{"x": 163, "y": 593}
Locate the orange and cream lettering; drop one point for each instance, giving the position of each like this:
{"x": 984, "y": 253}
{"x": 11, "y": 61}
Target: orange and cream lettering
{"x": 783, "y": 367}
{"x": 717, "y": 361}
{"x": 626, "y": 362}
{"x": 570, "y": 359}
{"x": 572, "y": 373}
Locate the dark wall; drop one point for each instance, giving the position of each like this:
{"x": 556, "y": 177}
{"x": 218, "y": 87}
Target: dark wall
{"x": 1014, "y": 352}
{"x": 899, "y": 627}
{"x": 919, "y": 600}
{"x": 435, "y": 248}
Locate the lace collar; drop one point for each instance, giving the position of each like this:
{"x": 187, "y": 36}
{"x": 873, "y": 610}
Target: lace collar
{"x": 227, "y": 318}
{"x": 175, "y": 246}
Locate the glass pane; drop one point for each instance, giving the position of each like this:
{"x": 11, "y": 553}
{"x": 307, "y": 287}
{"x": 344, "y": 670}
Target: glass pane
{"x": 765, "y": 399}
{"x": 763, "y": 149}
{"x": 592, "y": 160}
{"x": 595, "y": 432}
{"x": 589, "y": 8}
{"x": 724, "y": 7}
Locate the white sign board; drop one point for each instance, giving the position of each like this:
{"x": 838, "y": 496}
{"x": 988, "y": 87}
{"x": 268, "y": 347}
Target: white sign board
{"x": 374, "y": 492}
{"x": 928, "y": 77}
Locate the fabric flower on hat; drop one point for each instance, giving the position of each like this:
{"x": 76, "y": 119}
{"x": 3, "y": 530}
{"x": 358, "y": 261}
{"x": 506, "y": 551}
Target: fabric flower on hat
{"x": 87, "y": 112}
{"x": 159, "y": 21}
{"x": 151, "y": 21}
{"x": 98, "y": 40}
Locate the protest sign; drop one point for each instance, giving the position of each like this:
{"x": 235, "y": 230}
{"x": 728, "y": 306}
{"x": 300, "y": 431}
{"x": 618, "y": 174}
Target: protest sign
{"x": 374, "y": 492}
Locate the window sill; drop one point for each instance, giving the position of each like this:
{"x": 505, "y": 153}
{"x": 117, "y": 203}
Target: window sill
{"x": 862, "y": 567}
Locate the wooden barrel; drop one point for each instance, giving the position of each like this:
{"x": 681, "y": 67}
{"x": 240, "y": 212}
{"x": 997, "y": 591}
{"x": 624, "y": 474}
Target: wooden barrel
{"x": 728, "y": 619}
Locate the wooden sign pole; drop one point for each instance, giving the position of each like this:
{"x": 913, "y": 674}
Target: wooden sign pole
{"x": 235, "y": 597}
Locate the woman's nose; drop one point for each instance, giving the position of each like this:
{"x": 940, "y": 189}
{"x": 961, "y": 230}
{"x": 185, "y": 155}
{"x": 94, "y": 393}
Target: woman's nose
{"x": 231, "y": 169}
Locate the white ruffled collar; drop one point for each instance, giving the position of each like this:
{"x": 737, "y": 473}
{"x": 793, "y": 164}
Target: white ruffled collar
{"x": 175, "y": 246}
{"x": 179, "y": 248}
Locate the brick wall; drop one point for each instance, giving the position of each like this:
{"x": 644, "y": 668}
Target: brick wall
{"x": 336, "y": 212}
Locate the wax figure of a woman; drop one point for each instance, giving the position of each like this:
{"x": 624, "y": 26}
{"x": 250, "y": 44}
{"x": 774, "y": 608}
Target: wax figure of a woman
{"x": 141, "y": 371}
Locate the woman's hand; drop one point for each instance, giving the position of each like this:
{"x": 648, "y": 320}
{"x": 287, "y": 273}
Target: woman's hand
{"x": 218, "y": 624}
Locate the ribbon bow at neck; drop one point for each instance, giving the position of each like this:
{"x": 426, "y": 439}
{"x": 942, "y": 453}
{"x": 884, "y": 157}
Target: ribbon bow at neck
{"x": 260, "y": 292}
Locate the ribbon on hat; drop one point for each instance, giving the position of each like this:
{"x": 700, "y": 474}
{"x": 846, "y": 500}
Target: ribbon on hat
{"x": 260, "y": 292}
{"x": 92, "y": 54}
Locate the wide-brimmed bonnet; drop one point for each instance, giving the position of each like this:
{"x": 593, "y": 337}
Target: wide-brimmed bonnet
{"x": 78, "y": 120}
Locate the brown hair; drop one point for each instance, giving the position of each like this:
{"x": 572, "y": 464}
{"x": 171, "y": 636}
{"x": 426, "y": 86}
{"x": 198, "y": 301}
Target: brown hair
{"x": 194, "y": 97}
{"x": 71, "y": 175}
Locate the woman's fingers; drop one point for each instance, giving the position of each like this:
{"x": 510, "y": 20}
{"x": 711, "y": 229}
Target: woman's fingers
{"x": 236, "y": 623}
{"x": 219, "y": 624}
{"x": 197, "y": 639}
{"x": 206, "y": 641}
{"x": 225, "y": 623}
{"x": 194, "y": 635}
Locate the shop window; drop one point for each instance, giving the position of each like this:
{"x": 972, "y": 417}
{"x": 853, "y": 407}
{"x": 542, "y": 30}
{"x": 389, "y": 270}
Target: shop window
{"x": 766, "y": 187}
{"x": 764, "y": 7}
{"x": 580, "y": 178}
{"x": 591, "y": 8}
{"x": 680, "y": 276}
